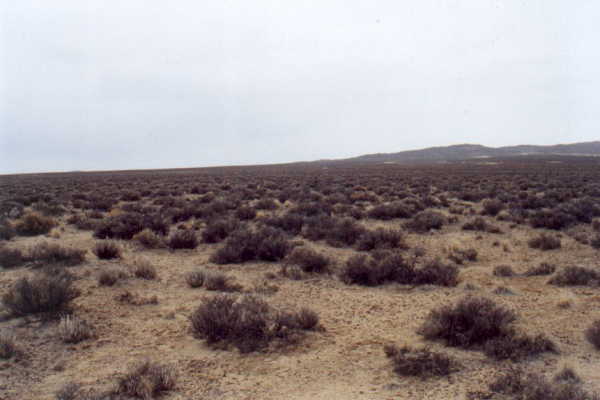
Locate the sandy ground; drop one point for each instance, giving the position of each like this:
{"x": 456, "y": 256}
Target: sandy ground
{"x": 344, "y": 361}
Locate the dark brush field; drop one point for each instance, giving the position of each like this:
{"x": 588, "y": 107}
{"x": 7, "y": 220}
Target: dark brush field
{"x": 476, "y": 280}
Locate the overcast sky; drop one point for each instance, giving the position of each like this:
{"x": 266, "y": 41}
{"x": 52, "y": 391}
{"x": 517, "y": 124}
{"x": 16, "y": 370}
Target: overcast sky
{"x": 88, "y": 85}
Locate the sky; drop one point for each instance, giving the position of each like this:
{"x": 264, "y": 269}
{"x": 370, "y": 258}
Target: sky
{"x": 97, "y": 85}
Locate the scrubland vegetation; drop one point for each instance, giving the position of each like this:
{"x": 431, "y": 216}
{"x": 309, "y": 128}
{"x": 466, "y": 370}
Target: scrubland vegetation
{"x": 351, "y": 281}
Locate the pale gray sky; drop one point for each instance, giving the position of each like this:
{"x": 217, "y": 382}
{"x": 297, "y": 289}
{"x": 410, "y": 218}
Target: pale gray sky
{"x": 154, "y": 84}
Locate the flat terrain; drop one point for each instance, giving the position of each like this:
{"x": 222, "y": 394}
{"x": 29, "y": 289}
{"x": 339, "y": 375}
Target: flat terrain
{"x": 344, "y": 357}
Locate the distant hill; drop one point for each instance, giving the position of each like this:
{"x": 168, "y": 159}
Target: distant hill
{"x": 474, "y": 151}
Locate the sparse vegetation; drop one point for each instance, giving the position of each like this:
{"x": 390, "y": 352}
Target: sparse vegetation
{"x": 298, "y": 228}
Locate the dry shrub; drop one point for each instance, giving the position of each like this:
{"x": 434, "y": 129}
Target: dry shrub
{"x": 149, "y": 239}
{"x": 293, "y": 272}
{"x": 52, "y": 253}
{"x": 551, "y": 219}
{"x": 381, "y": 239}
{"x": 183, "y": 239}
{"x": 481, "y": 225}
{"x": 195, "y": 279}
{"x": 83, "y": 223}
{"x": 434, "y": 272}
{"x": 8, "y": 346}
{"x": 481, "y": 323}
{"x": 426, "y": 221}
{"x": 369, "y": 271}
{"x": 309, "y": 260}
{"x": 492, "y": 207}
{"x": 344, "y": 232}
{"x": 289, "y": 222}
{"x": 337, "y": 232}
{"x": 595, "y": 241}
{"x": 218, "y": 281}
{"x": 143, "y": 269}
{"x": 567, "y": 375}
{"x": 519, "y": 385}
{"x": 422, "y": 363}
{"x": 544, "y": 242}
{"x": 459, "y": 255}
{"x": 11, "y": 258}
{"x": 33, "y": 224}
{"x": 503, "y": 291}
{"x": 514, "y": 347}
{"x": 7, "y": 231}
{"x": 306, "y": 319}
{"x": 245, "y": 213}
{"x": 247, "y": 322}
{"x": 123, "y": 226}
{"x": 218, "y": 230}
{"x": 110, "y": 277}
{"x": 72, "y": 329}
{"x": 542, "y": 269}
{"x": 471, "y": 322}
{"x": 107, "y": 250}
{"x": 504, "y": 271}
{"x": 147, "y": 380}
{"x": 266, "y": 244}
{"x": 266, "y": 204}
{"x": 592, "y": 334}
{"x": 132, "y": 298}
{"x": 393, "y": 267}
{"x": 390, "y": 211}
{"x": 43, "y": 293}
{"x": 576, "y": 276}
